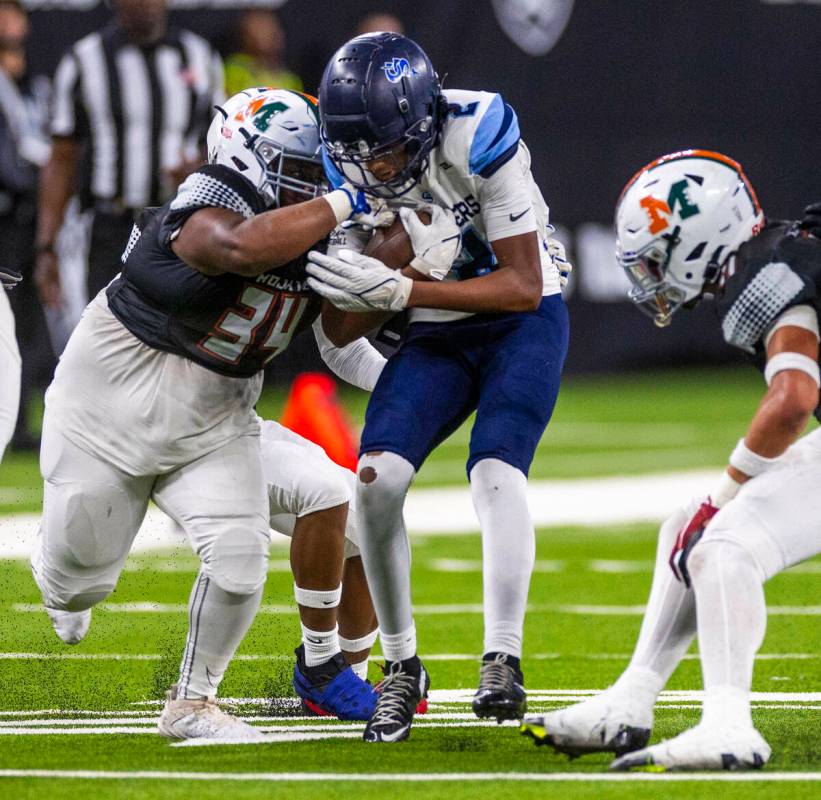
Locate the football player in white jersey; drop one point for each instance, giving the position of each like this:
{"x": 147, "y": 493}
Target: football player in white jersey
{"x": 488, "y": 333}
{"x": 689, "y": 224}
{"x": 154, "y": 395}
{"x": 9, "y": 360}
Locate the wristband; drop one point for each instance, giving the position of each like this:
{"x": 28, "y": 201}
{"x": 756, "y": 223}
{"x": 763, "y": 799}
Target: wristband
{"x": 362, "y": 643}
{"x": 340, "y": 202}
{"x": 783, "y": 361}
{"x": 318, "y": 598}
{"x": 748, "y": 462}
{"x": 725, "y": 490}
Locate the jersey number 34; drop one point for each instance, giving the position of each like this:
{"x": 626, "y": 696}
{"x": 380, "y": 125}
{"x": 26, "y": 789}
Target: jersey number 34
{"x": 263, "y": 319}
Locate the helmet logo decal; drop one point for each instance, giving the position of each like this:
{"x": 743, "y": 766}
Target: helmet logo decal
{"x": 262, "y": 117}
{"x": 398, "y": 68}
{"x": 656, "y": 208}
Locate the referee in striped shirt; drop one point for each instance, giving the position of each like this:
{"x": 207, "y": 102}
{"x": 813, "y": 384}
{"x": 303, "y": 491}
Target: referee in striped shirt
{"x": 132, "y": 105}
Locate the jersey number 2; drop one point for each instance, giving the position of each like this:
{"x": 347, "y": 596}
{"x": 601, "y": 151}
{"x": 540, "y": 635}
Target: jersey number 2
{"x": 262, "y": 316}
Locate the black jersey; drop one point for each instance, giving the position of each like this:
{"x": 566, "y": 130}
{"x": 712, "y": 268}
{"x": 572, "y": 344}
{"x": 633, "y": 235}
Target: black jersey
{"x": 774, "y": 271}
{"x": 228, "y": 323}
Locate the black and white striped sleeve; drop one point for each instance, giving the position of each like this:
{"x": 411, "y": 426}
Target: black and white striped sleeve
{"x": 211, "y": 186}
{"x": 217, "y": 82}
{"x": 774, "y": 289}
{"x": 68, "y": 116}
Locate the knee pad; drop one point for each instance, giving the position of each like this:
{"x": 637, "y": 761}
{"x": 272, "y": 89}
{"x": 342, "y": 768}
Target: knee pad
{"x": 237, "y": 561}
{"x": 382, "y": 482}
{"x": 88, "y": 524}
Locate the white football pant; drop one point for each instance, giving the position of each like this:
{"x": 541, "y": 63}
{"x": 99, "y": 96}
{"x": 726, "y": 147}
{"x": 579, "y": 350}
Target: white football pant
{"x": 92, "y": 512}
{"x": 772, "y": 524}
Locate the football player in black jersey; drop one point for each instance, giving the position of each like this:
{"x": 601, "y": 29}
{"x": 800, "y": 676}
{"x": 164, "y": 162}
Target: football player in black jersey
{"x": 154, "y": 396}
{"x": 689, "y": 225}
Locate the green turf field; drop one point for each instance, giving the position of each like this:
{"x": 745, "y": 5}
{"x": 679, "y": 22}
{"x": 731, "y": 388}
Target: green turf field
{"x": 92, "y": 708}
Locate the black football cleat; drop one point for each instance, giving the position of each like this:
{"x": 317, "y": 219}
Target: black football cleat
{"x": 501, "y": 692}
{"x": 405, "y": 685}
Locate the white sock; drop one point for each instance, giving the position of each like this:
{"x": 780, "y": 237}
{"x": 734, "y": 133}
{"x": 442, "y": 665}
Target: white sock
{"x": 361, "y": 669}
{"x": 319, "y": 645}
{"x": 399, "y": 646}
{"x": 382, "y": 484}
{"x": 669, "y": 623}
{"x": 732, "y": 618}
{"x": 508, "y": 550}
{"x": 218, "y": 620}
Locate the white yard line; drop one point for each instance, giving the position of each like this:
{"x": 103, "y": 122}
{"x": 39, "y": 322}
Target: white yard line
{"x": 426, "y": 777}
{"x": 376, "y": 658}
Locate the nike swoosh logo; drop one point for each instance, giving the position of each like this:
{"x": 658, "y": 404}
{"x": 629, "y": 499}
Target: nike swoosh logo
{"x": 513, "y": 218}
{"x": 392, "y": 737}
{"x": 314, "y": 641}
{"x": 328, "y": 602}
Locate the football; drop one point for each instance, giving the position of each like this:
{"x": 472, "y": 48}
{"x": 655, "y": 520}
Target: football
{"x": 392, "y": 245}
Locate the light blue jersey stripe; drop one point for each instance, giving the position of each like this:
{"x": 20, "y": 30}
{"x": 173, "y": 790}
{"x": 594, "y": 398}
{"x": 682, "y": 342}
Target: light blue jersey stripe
{"x": 496, "y": 133}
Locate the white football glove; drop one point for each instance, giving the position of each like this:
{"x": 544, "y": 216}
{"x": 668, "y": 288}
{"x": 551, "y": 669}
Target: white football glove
{"x": 555, "y": 251}
{"x": 354, "y": 282}
{"x": 436, "y": 244}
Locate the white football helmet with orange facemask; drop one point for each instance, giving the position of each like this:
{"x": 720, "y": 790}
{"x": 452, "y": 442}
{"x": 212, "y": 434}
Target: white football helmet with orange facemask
{"x": 678, "y": 221}
{"x": 271, "y": 137}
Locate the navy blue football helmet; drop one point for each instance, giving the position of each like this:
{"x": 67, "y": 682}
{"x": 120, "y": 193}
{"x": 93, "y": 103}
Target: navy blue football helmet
{"x": 380, "y": 95}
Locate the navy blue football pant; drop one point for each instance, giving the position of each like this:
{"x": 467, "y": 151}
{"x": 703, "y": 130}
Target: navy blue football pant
{"x": 505, "y": 367}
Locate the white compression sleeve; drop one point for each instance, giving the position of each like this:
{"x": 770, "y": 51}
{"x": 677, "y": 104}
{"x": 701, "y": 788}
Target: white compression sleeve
{"x": 508, "y": 551}
{"x": 669, "y": 621}
{"x": 358, "y": 363}
{"x": 732, "y": 618}
{"x": 383, "y": 481}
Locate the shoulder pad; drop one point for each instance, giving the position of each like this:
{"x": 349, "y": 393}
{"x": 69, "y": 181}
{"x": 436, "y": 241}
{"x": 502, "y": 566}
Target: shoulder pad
{"x": 217, "y": 186}
{"x": 481, "y": 132}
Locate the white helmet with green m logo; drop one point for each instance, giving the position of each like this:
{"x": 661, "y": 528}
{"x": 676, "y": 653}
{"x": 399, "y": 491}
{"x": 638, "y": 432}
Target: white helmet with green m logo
{"x": 678, "y": 221}
{"x": 271, "y": 137}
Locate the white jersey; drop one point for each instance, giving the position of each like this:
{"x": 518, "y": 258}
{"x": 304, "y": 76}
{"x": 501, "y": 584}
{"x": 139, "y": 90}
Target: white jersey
{"x": 143, "y": 410}
{"x": 480, "y": 170}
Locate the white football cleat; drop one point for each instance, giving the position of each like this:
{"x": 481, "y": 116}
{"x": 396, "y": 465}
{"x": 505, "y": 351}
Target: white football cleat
{"x": 70, "y": 626}
{"x": 202, "y": 718}
{"x": 609, "y": 722}
{"x": 702, "y": 747}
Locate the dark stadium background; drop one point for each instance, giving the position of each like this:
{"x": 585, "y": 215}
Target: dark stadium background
{"x": 626, "y": 81}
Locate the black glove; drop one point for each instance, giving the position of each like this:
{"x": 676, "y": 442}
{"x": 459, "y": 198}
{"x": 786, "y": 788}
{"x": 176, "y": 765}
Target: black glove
{"x": 9, "y": 277}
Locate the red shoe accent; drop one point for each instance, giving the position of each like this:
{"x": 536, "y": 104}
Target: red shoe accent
{"x": 422, "y": 706}
{"x": 318, "y": 711}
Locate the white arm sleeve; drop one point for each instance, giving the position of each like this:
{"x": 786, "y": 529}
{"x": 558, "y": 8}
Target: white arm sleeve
{"x": 507, "y": 199}
{"x": 358, "y": 363}
{"x": 803, "y": 316}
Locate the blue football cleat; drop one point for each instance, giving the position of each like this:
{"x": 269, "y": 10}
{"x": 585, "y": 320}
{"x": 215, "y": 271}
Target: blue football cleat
{"x": 332, "y": 689}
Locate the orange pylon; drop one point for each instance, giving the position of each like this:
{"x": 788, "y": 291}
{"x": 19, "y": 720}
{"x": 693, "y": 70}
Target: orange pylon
{"x": 313, "y": 411}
